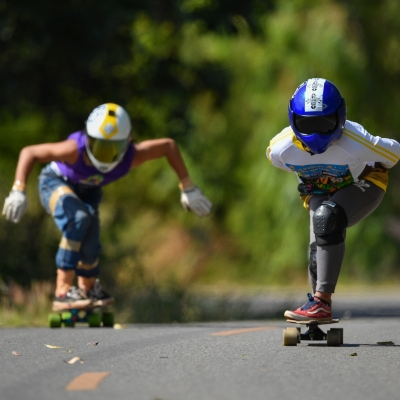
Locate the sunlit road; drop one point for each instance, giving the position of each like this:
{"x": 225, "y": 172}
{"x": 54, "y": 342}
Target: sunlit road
{"x": 235, "y": 361}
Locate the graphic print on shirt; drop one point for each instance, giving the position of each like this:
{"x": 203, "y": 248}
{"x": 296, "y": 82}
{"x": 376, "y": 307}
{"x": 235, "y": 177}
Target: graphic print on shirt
{"x": 322, "y": 178}
{"x": 93, "y": 180}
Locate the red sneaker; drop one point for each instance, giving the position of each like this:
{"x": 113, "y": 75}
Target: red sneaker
{"x": 314, "y": 309}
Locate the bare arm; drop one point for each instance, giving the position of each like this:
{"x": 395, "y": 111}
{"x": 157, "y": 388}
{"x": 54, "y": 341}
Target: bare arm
{"x": 16, "y": 203}
{"x": 192, "y": 197}
{"x": 66, "y": 150}
{"x": 158, "y": 148}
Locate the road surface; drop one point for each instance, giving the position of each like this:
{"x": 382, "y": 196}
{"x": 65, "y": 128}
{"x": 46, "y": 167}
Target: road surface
{"x": 204, "y": 361}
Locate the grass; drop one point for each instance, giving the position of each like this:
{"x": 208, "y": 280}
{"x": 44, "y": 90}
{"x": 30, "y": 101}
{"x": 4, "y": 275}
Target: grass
{"x": 19, "y": 307}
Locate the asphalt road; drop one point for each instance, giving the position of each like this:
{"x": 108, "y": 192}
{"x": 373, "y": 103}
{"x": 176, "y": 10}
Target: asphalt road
{"x": 231, "y": 360}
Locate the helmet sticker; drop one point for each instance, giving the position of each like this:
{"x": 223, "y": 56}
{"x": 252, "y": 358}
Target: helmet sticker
{"x": 298, "y": 88}
{"x": 314, "y": 95}
{"x": 109, "y": 127}
{"x": 98, "y": 112}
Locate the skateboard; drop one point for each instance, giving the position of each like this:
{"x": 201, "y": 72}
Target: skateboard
{"x": 333, "y": 337}
{"x": 95, "y": 317}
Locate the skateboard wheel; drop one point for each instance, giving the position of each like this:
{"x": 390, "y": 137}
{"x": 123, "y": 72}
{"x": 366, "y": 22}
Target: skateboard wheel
{"x": 66, "y": 315}
{"x": 290, "y": 337}
{"x": 108, "y": 319}
{"x": 94, "y": 320}
{"x": 298, "y": 335}
{"x": 54, "y": 321}
{"x": 340, "y": 330}
{"x": 334, "y": 337}
{"x": 67, "y": 319}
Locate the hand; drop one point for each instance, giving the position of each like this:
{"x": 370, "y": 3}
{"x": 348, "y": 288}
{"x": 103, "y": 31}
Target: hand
{"x": 193, "y": 199}
{"x": 15, "y": 205}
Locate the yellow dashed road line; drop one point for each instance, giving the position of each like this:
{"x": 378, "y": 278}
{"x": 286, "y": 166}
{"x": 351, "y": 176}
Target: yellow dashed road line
{"x": 244, "y": 330}
{"x": 87, "y": 381}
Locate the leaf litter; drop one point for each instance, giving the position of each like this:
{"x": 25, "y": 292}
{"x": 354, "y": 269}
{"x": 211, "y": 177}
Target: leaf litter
{"x": 74, "y": 360}
{"x": 67, "y": 349}
{"x": 120, "y": 326}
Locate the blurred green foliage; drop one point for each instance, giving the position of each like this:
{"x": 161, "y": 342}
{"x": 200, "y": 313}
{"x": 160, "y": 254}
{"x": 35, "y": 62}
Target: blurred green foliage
{"x": 215, "y": 76}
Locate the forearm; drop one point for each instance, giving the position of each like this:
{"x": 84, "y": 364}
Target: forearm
{"x": 192, "y": 197}
{"x": 26, "y": 162}
{"x": 159, "y": 148}
{"x": 175, "y": 159}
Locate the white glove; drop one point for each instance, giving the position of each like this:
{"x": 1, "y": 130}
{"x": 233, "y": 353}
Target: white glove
{"x": 193, "y": 199}
{"x": 15, "y": 205}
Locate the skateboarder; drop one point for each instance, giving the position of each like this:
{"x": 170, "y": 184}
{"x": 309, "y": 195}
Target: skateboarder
{"x": 70, "y": 188}
{"x": 342, "y": 173}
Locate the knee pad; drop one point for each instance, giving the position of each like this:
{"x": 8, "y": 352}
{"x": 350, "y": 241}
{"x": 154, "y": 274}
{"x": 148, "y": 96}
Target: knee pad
{"x": 329, "y": 223}
{"x": 312, "y": 261}
{"x": 61, "y": 191}
{"x": 88, "y": 270}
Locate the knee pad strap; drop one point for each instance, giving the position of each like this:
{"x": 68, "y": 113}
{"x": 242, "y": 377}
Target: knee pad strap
{"x": 57, "y": 194}
{"x": 312, "y": 260}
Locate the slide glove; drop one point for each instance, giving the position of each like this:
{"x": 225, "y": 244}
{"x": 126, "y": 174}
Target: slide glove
{"x": 194, "y": 199}
{"x": 15, "y": 205}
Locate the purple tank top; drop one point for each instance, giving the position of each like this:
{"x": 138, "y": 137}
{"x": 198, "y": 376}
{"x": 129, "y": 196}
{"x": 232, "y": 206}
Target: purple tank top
{"x": 81, "y": 173}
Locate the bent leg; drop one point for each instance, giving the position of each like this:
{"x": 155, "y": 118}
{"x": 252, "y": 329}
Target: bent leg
{"x": 88, "y": 266}
{"x": 325, "y": 261}
{"x": 357, "y": 201}
{"x": 73, "y": 218}
{"x": 74, "y": 221}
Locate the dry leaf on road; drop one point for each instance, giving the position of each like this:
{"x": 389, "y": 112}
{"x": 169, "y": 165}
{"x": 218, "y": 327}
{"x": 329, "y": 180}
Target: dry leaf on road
{"x": 74, "y": 360}
{"x": 52, "y": 346}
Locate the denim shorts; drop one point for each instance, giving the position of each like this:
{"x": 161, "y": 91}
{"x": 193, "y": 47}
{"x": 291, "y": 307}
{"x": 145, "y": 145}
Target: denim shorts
{"x": 76, "y": 216}
{"x": 49, "y": 181}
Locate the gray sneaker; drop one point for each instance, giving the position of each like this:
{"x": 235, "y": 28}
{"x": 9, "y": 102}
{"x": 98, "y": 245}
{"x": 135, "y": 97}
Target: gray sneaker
{"x": 74, "y": 298}
{"x": 98, "y": 296}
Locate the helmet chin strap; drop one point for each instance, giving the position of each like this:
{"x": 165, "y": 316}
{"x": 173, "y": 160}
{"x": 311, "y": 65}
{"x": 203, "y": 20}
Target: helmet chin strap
{"x": 310, "y": 152}
{"x": 307, "y": 149}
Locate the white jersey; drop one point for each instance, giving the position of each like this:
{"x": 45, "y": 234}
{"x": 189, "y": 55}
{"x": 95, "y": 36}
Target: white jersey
{"x": 355, "y": 156}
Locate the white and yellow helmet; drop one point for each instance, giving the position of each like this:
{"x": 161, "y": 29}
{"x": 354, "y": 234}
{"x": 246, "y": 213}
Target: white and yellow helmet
{"x": 108, "y": 131}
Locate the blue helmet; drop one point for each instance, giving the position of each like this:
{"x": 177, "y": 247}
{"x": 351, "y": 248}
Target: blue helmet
{"x": 317, "y": 114}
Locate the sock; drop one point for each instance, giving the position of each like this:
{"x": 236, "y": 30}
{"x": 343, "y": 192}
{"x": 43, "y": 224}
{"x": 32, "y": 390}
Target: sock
{"x": 324, "y": 301}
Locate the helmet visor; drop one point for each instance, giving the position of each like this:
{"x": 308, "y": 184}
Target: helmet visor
{"x": 312, "y": 124}
{"x": 107, "y": 151}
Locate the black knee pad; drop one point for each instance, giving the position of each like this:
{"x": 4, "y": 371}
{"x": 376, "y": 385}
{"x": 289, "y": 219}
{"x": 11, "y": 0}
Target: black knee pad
{"x": 329, "y": 222}
{"x": 312, "y": 260}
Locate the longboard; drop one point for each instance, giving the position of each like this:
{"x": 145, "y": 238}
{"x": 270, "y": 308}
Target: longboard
{"x": 94, "y": 317}
{"x": 292, "y": 336}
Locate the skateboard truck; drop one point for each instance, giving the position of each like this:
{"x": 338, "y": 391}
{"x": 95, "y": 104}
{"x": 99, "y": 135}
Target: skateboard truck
{"x": 314, "y": 333}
